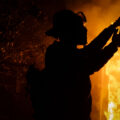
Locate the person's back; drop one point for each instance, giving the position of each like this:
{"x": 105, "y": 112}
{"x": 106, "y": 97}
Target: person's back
{"x": 69, "y": 81}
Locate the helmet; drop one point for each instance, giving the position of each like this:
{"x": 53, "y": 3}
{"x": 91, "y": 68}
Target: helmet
{"x": 65, "y": 20}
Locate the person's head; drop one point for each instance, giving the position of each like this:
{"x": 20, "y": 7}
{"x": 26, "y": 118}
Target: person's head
{"x": 69, "y": 27}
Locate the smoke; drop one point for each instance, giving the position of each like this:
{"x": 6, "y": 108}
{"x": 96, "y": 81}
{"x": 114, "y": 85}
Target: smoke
{"x": 99, "y": 13}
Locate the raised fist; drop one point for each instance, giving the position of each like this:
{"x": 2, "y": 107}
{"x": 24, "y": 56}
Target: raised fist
{"x": 117, "y": 22}
{"x": 116, "y": 38}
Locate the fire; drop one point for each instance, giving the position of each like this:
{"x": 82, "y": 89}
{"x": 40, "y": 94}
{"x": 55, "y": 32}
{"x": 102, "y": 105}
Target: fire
{"x": 112, "y": 70}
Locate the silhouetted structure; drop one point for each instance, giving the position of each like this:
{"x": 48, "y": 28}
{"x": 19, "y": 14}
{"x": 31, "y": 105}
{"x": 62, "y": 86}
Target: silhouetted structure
{"x": 64, "y": 93}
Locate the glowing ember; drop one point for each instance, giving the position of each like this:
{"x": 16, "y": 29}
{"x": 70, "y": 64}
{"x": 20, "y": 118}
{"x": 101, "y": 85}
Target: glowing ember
{"x": 79, "y": 46}
{"x": 113, "y": 73}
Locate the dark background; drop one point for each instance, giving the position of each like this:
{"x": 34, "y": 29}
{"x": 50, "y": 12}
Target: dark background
{"x": 22, "y": 42}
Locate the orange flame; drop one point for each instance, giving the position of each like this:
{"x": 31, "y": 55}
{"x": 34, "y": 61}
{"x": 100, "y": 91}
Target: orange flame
{"x": 113, "y": 73}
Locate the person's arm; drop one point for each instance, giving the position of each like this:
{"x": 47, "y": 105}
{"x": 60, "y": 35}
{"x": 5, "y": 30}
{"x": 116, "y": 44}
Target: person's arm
{"x": 101, "y": 57}
{"x": 99, "y": 42}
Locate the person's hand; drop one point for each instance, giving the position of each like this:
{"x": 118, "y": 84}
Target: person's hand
{"x": 117, "y": 22}
{"x": 116, "y": 38}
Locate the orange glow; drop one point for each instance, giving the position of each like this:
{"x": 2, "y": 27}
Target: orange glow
{"x": 113, "y": 73}
{"x": 105, "y": 83}
{"x": 79, "y": 46}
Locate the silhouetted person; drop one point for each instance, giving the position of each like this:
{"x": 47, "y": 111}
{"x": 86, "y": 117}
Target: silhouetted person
{"x": 64, "y": 93}
{"x": 69, "y": 68}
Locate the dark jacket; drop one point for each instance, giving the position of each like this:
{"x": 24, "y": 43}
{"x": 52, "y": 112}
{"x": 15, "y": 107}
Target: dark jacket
{"x": 68, "y": 73}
